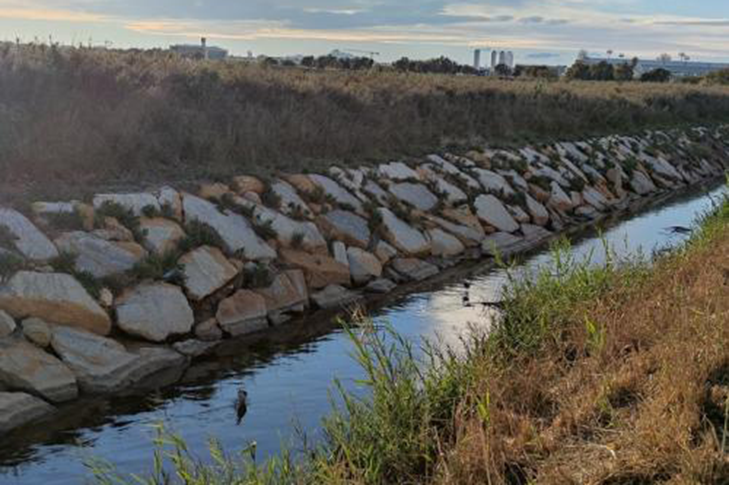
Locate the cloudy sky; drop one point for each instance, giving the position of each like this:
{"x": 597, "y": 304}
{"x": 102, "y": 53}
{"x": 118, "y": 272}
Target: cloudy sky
{"x": 539, "y": 31}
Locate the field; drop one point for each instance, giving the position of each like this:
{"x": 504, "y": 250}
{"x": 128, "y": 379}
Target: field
{"x": 72, "y": 120}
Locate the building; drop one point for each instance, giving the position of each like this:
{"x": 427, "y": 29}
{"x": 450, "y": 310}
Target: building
{"x": 676, "y": 68}
{"x": 477, "y": 59}
{"x": 502, "y": 57}
{"x": 200, "y": 51}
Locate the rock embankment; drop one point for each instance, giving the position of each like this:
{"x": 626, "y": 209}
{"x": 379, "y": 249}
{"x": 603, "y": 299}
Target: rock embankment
{"x": 96, "y": 296}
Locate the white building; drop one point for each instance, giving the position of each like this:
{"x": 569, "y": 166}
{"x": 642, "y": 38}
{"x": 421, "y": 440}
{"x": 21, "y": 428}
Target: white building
{"x": 676, "y": 68}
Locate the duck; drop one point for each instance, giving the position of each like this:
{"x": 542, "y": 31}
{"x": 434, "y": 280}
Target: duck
{"x": 241, "y": 405}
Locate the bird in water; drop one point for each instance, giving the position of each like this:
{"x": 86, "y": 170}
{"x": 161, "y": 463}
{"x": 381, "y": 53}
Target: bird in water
{"x": 241, "y": 405}
{"x": 678, "y": 230}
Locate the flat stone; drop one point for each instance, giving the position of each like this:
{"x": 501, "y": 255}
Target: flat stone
{"x": 302, "y": 183}
{"x": 234, "y": 229}
{"x": 539, "y": 213}
{"x": 445, "y": 245}
{"x": 113, "y": 230}
{"x": 381, "y": 286}
{"x": 287, "y": 230}
{"x": 363, "y": 266}
{"x": 171, "y": 198}
{"x": 559, "y": 199}
{"x": 503, "y": 244}
{"x": 347, "y": 227}
{"x": 18, "y": 409}
{"x": 53, "y": 208}
{"x": 245, "y": 183}
{"x": 320, "y": 271}
{"x": 25, "y": 367}
{"x": 37, "y": 332}
{"x": 454, "y": 195}
{"x": 29, "y": 240}
{"x": 194, "y": 348}
{"x": 397, "y": 171}
{"x": 53, "y": 297}
{"x": 291, "y": 203}
{"x": 642, "y": 184}
{"x": 518, "y": 214}
{"x": 494, "y": 182}
{"x": 135, "y": 203}
{"x": 416, "y": 195}
{"x": 339, "y": 252}
{"x": 402, "y": 236}
{"x": 490, "y": 210}
{"x": 99, "y": 257}
{"x": 7, "y": 325}
{"x": 208, "y": 331}
{"x": 243, "y": 313}
{"x": 206, "y": 270}
{"x": 213, "y": 191}
{"x": 661, "y": 167}
{"x": 593, "y": 197}
{"x": 288, "y": 293}
{"x": 341, "y": 195}
{"x": 414, "y": 269}
{"x": 155, "y": 312}
{"x": 467, "y": 235}
{"x": 163, "y": 235}
{"x": 334, "y": 296}
{"x": 535, "y": 234}
{"x": 377, "y": 192}
{"x": 385, "y": 252}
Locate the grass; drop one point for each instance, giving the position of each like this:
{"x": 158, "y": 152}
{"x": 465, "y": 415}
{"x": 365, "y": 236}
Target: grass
{"x": 79, "y": 118}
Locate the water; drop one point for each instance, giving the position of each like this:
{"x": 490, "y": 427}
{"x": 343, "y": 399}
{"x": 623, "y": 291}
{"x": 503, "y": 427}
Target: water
{"x": 288, "y": 374}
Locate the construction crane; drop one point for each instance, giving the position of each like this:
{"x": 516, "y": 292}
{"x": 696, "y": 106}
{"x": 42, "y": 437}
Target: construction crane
{"x": 370, "y": 54}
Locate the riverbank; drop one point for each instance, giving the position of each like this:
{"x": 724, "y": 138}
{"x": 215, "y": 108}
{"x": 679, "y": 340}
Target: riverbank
{"x": 103, "y": 294}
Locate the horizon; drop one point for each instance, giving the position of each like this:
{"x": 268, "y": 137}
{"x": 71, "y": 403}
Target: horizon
{"x": 550, "y": 32}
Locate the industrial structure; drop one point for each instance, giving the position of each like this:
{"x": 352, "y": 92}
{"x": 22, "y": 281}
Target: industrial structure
{"x": 682, "y": 68}
{"x": 200, "y": 51}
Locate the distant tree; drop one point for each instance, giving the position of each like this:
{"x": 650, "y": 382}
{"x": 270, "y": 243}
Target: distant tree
{"x": 579, "y": 71}
{"x": 625, "y": 71}
{"x": 582, "y": 55}
{"x": 665, "y": 58}
{"x": 308, "y": 61}
{"x": 535, "y": 72}
{"x": 659, "y": 75}
{"x": 602, "y": 71}
{"x": 502, "y": 70}
{"x": 718, "y": 77}
{"x": 288, "y": 63}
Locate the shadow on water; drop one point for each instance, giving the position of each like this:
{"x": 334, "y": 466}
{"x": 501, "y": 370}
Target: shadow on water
{"x": 287, "y": 371}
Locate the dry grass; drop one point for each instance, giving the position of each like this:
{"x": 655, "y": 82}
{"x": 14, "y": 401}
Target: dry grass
{"x": 637, "y": 396}
{"x": 77, "y": 118}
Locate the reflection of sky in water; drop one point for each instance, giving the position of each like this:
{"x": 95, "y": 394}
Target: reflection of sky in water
{"x": 296, "y": 386}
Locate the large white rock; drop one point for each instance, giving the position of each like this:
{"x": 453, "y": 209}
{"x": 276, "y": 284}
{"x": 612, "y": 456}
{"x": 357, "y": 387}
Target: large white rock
{"x": 416, "y": 195}
{"x": 404, "y": 237}
{"x": 291, "y": 202}
{"x": 234, "y": 229}
{"x": 490, "y": 210}
{"x": 169, "y": 197}
{"x": 539, "y": 213}
{"x": 243, "y": 313}
{"x": 24, "y": 367}
{"x": 661, "y": 167}
{"x": 397, "y": 171}
{"x": 7, "y": 324}
{"x": 363, "y": 266}
{"x": 162, "y": 235}
{"x": 336, "y": 191}
{"x": 287, "y": 230}
{"x": 53, "y": 297}
{"x": 414, "y": 269}
{"x": 593, "y": 197}
{"x": 99, "y": 257}
{"x": 132, "y": 202}
{"x": 454, "y": 195}
{"x": 29, "y": 240}
{"x": 494, "y": 182}
{"x": 471, "y": 236}
{"x": 334, "y": 296}
{"x": 288, "y": 293}
{"x": 206, "y": 270}
{"x": 503, "y": 244}
{"x": 339, "y": 252}
{"x": 18, "y": 408}
{"x": 559, "y": 199}
{"x": 445, "y": 245}
{"x": 642, "y": 184}
{"x": 155, "y": 312}
{"x": 377, "y": 192}
{"x": 346, "y": 227}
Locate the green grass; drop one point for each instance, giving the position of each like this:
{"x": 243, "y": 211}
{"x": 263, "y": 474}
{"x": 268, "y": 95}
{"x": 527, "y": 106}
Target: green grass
{"x": 200, "y": 234}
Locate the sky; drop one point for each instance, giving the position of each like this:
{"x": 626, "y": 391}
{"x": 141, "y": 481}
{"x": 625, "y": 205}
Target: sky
{"x": 538, "y": 31}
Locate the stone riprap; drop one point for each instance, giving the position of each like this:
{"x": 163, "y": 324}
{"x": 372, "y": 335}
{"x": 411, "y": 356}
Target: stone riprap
{"x": 172, "y": 274}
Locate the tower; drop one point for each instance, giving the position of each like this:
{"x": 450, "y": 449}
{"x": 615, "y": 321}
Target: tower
{"x": 477, "y": 59}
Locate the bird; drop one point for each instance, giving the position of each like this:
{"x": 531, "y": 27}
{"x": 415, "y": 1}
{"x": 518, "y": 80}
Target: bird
{"x": 679, "y": 230}
{"x": 241, "y": 405}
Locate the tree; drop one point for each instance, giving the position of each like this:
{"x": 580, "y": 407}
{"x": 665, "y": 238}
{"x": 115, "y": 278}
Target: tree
{"x": 624, "y": 72}
{"x": 718, "y": 77}
{"x": 602, "y": 71}
{"x": 659, "y": 75}
{"x": 579, "y": 70}
{"x": 308, "y": 61}
{"x": 502, "y": 70}
{"x": 665, "y": 58}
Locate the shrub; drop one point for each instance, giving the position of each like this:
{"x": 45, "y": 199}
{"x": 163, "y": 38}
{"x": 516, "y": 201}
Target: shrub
{"x": 200, "y": 234}
{"x": 126, "y": 218}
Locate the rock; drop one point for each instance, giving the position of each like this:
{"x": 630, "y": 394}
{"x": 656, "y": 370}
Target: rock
{"x": 535, "y": 234}
{"x": 380, "y": 286}
{"x": 593, "y": 197}
{"x": 416, "y": 195}
{"x": 194, "y": 348}
{"x": 642, "y": 184}
{"x": 234, "y": 229}
{"x": 114, "y": 231}
{"x": 363, "y": 266}
{"x": 302, "y": 183}
{"x": 414, "y": 269}
{"x": 243, "y": 313}
{"x": 37, "y": 332}
{"x": 43, "y": 209}
{"x": 334, "y": 190}
{"x": 291, "y": 203}
{"x": 377, "y": 192}
{"x": 454, "y": 195}
{"x": 169, "y": 197}
{"x": 155, "y": 312}
{"x": 7, "y": 325}
{"x": 287, "y": 230}
{"x": 287, "y": 293}
{"x": 17, "y": 409}
{"x": 213, "y": 191}
{"x": 445, "y": 245}
{"x": 385, "y": 252}
{"x": 347, "y": 227}
{"x": 518, "y": 214}
{"x": 162, "y": 235}
{"x": 106, "y": 298}
{"x": 28, "y": 240}
{"x": 467, "y": 235}
{"x": 131, "y": 202}
{"x": 25, "y": 367}
{"x": 245, "y": 183}
{"x": 397, "y": 171}
{"x": 503, "y": 244}
{"x": 320, "y": 271}
{"x": 334, "y": 296}
{"x": 539, "y": 193}
{"x": 208, "y": 331}
{"x": 661, "y": 167}
{"x": 55, "y": 297}
{"x": 402, "y": 236}
{"x": 447, "y": 167}
{"x": 99, "y": 257}
{"x": 494, "y": 182}
{"x": 539, "y": 213}
{"x": 206, "y": 270}
{"x": 339, "y": 251}
{"x": 559, "y": 200}
{"x": 492, "y": 211}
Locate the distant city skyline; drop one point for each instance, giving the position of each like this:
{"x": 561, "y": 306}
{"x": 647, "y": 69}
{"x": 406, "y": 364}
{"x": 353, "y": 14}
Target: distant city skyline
{"x": 546, "y": 31}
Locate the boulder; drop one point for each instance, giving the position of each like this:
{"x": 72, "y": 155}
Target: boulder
{"x": 414, "y": 269}
{"x": 642, "y": 184}
{"x": 445, "y": 245}
{"x": 208, "y": 331}
{"x": 363, "y": 265}
{"x": 339, "y": 252}
{"x": 155, "y": 312}
{"x": 333, "y": 189}
{"x": 25, "y": 367}
{"x": 377, "y": 192}
{"x": 320, "y": 271}
{"x": 539, "y": 213}
{"x": 535, "y": 234}
{"x": 169, "y": 197}
{"x": 503, "y": 244}
{"x": 28, "y": 239}
{"x": 347, "y": 227}
{"x": 213, "y": 191}
{"x": 593, "y": 197}
{"x": 194, "y": 348}
{"x": 7, "y": 325}
{"x": 493, "y": 182}
{"x": 287, "y": 293}
{"x": 291, "y": 203}
{"x": 288, "y": 230}
{"x": 334, "y": 296}
{"x": 37, "y": 332}
{"x": 134, "y": 203}
{"x": 245, "y": 183}
{"x": 559, "y": 199}
{"x": 243, "y": 313}
{"x": 467, "y": 235}
{"x": 415, "y": 195}
{"x": 454, "y": 195}
{"x": 206, "y": 270}
{"x": 18, "y": 409}
{"x": 113, "y": 230}
{"x": 234, "y": 229}
{"x": 518, "y": 214}
{"x": 385, "y": 252}
{"x": 162, "y": 235}
{"x": 381, "y": 286}
{"x": 490, "y": 210}
{"x": 99, "y": 257}
{"x": 53, "y": 297}
{"x": 402, "y": 236}
{"x": 397, "y": 171}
